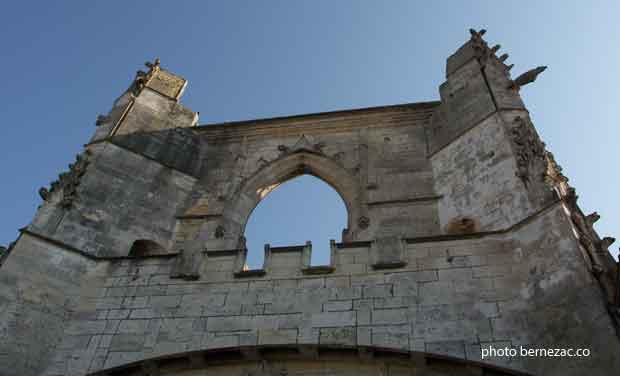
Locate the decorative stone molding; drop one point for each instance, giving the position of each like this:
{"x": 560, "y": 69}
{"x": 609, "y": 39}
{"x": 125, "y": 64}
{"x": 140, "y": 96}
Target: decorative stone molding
{"x": 530, "y": 151}
{"x": 553, "y": 175}
{"x": 363, "y": 222}
{"x": 68, "y": 182}
{"x": 302, "y": 144}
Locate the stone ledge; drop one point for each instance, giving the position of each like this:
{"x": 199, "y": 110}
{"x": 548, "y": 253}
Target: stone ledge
{"x": 250, "y": 273}
{"x": 321, "y": 269}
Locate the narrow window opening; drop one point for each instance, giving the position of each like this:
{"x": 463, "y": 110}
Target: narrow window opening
{"x": 304, "y": 208}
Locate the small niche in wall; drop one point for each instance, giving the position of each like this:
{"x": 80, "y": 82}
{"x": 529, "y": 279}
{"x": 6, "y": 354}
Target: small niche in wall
{"x": 145, "y": 247}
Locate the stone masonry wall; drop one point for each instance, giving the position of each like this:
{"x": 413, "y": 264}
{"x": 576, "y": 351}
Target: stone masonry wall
{"x": 40, "y": 289}
{"x": 528, "y": 287}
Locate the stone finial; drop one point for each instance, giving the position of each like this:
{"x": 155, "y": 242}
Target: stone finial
{"x": 526, "y": 78}
{"x": 592, "y": 218}
{"x": 477, "y": 34}
{"x": 479, "y": 45}
{"x": 143, "y": 77}
{"x": 503, "y": 58}
{"x": 495, "y": 48}
{"x": 155, "y": 65}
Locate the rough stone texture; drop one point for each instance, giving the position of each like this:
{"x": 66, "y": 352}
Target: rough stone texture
{"x": 462, "y": 234}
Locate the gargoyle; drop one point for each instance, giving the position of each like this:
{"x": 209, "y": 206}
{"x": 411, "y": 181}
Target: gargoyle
{"x": 606, "y": 242}
{"x": 592, "y": 218}
{"x": 526, "y": 78}
{"x": 101, "y": 119}
{"x": 44, "y": 193}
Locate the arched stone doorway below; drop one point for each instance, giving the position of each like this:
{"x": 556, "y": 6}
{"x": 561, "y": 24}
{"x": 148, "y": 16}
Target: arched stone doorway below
{"x": 305, "y": 360}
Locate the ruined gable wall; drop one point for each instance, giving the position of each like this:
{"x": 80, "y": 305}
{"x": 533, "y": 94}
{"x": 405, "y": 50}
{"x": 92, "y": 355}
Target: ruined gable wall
{"x": 462, "y": 233}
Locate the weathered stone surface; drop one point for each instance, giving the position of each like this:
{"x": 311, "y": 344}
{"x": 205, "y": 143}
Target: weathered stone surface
{"x": 462, "y": 233}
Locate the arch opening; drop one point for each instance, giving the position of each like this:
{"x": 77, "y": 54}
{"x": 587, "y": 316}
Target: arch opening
{"x": 294, "y": 210}
{"x": 145, "y": 247}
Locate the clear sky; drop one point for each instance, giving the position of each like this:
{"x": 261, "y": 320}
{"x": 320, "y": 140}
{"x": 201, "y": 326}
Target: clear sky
{"x": 64, "y": 62}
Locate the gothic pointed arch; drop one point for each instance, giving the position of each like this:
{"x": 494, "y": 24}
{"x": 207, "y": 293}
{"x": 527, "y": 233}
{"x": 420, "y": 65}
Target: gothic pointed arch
{"x": 288, "y": 166}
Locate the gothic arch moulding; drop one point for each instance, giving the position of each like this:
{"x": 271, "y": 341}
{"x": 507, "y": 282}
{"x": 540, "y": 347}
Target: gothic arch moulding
{"x": 288, "y": 166}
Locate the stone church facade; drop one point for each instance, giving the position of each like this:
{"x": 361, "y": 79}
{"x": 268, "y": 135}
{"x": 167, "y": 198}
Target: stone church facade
{"x": 462, "y": 234}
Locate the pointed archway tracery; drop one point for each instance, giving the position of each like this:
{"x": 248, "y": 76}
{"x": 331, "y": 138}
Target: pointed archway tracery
{"x": 302, "y": 158}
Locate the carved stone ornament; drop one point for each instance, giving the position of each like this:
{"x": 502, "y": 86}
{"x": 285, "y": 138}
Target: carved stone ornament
{"x": 302, "y": 144}
{"x": 142, "y": 78}
{"x": 484, "y": 53}
{"x": 606, "y": 242}
{"x": 68, "y": 182}
{"x": 592, "y": 218}
{"x": 529, "y": 149}
{"x": 363, "y": 222}
{"x": 101, "y": 119}
{"x": 553, "y": 175}
{"x": 480, "y": 46}
{"x": 526, "y": 78}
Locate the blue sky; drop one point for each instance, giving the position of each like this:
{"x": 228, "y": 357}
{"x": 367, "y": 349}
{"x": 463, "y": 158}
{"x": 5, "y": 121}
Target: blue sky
{"x": 64, "y": 62}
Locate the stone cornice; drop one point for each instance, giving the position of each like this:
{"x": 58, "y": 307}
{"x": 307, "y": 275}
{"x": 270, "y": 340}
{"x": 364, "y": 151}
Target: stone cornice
{"x": 422, "y": 239}
{"x": 322, "y": 121}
